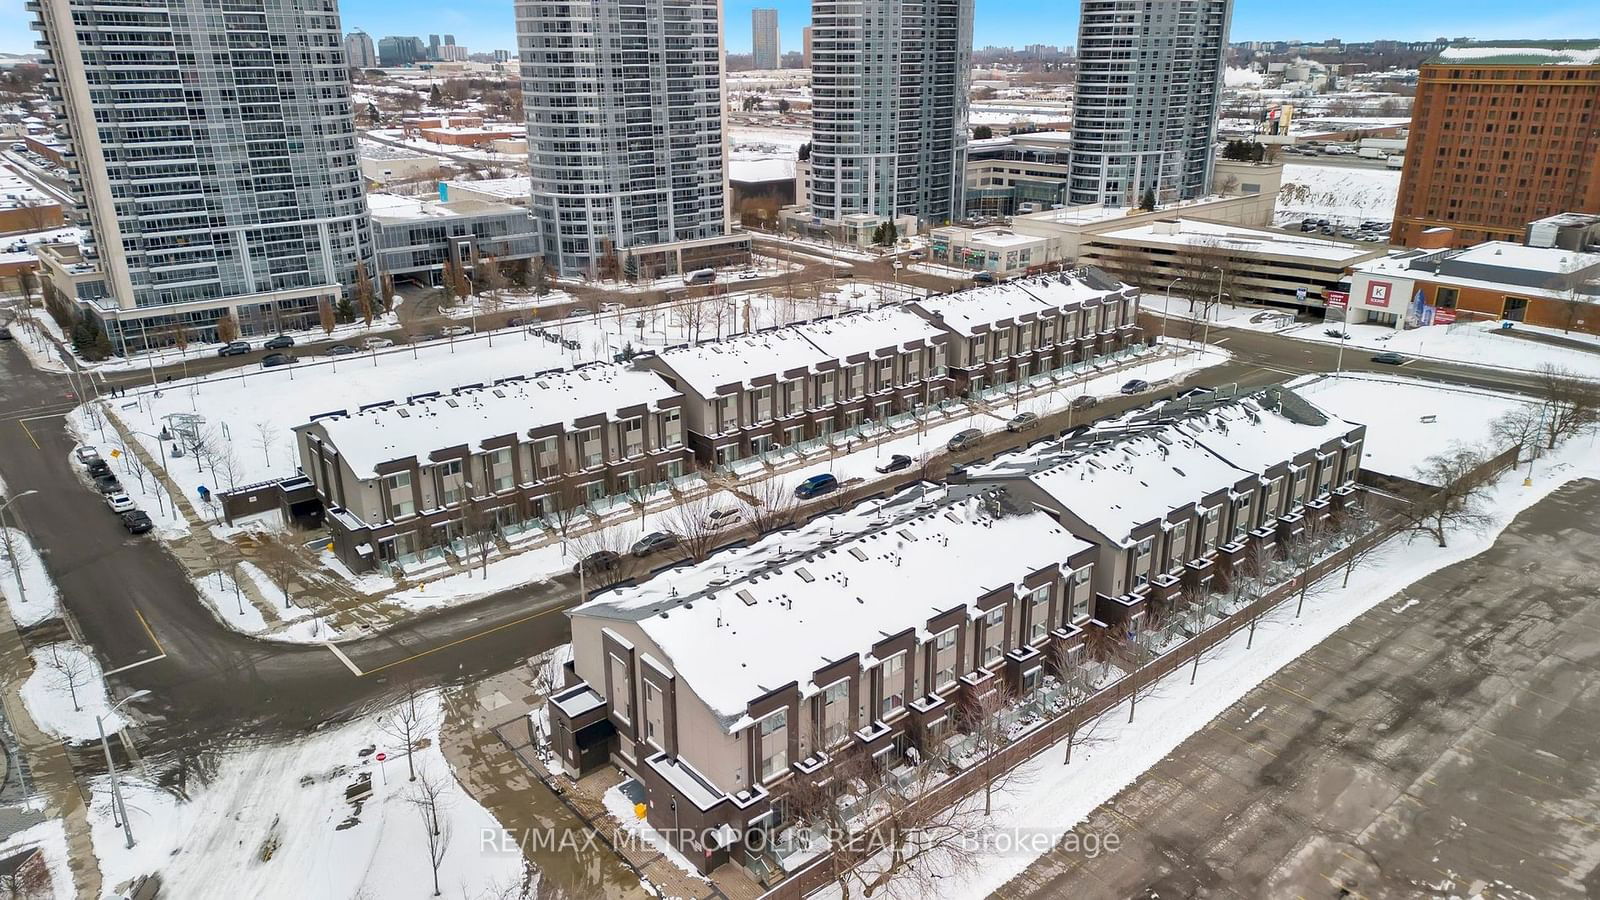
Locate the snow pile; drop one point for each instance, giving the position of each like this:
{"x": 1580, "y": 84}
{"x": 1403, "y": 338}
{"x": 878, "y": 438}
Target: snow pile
{"x": 1337, "y": 193}
{"x": 66, "y": 691}
{"x": 621, "y": 808}
{"x": 320, "y": 817}
{"x": 41, "y": 599}
{"x": 227, "y": 602}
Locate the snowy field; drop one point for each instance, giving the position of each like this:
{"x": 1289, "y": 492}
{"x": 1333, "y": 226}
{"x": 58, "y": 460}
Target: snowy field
{"x": 37, "y": 599}
{"x": 50, "y": 837}
{"x": 1466, "y": 343}
{"x": 319, "y": 817}
{"x": 1173, "y": 710}
{"x": 1345, "y": 196}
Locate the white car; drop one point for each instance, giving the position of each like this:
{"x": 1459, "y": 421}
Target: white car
{"x": 746, "y": 276}
{"x": 120, "y": 503}
{"x": 455, "y": 330}
{"x": 376, "y": 343}
{"x": 87, "y": 454}
{"x": 717, "y": 520}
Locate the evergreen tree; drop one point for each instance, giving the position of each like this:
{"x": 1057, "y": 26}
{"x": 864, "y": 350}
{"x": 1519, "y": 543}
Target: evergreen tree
{"x": 1148, "y": 201}
{"x": 630, "y": 268}
{"x": 434, "y": 97}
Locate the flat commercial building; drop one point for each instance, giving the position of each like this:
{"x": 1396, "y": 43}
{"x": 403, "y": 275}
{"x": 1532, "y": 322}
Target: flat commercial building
{"x": 625, "y": 127}
{"x": 1501, "y": 134}
{"x": 889, "y": 108}
{"x": 417, "y": 237}
{"x": 214, "y": 157}
{"x": 1019, "y": 173}
{"x": 1145, "y": 105}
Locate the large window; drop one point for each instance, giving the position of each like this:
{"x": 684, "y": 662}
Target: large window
{"x": 1038, "y": 613}
{"x": 773, "y": 732}
{"x": 892, "y": 680}
{"x": 994, "y": 635}
{"x": 547, "y": 458}
{"x": 670, "y": 429}
{"x": 402, "y": 501}
{"x": 621, "y": 697}
{"x": 944, "y": 657}
{"x": 835, "y": 712}
{"x": 500, "y": 474}
{"x": 1079, "y": 607}
{"x": 452, "y": 489}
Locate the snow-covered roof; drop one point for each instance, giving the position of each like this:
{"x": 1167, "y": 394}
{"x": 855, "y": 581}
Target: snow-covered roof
{"x": 16, "y": 192}
{"x": 706, "y": 367}
{"x": 1395, "y": 409}
{"x": 1183, "y": 232}
{"x": 1525, "y": 53}
{"x": 754, "y": 619}
{"x": 965, "y": 311}
{"x": 471, "y": 415}
{"x": 395, "y": 208}
{"x": 759, "y": 170}
{"x": 517, "y": 187}
{"x": 1254, "y": 436}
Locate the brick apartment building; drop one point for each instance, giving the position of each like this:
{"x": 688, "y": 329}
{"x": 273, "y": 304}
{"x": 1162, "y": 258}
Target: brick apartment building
{"x": 733, "y": 681}
{"x": 405, "y": 482}
{"x": 1501, "y": 134}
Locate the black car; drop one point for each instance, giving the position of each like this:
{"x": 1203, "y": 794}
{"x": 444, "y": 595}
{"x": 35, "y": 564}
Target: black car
{"x": 516, "y": 322}
{"x": 108, "y": 484}
{"x": 5, "y": 333}
{"x": 654, "y": 542}
{"x": 1136, "y": 386}
{"x": 341, "y": 350}
{"x": 236, "y": 348}
{"x": 98, "y": 467}
{"x": 1390, "y": 358}
{"x": 137, "y": 521}
{"x": 276, "y": 359}
{"x": 1085, "y": 401}
{"x": 598, "y": 562}
{"x": 896, "y": 463}
{"x": 281, "y": 342}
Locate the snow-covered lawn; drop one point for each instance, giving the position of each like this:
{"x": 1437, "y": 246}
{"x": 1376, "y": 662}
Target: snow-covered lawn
{"x": 37, "y": 600}
{"x": 1255, "y": 318}
{"x": 50, "y": 837}
{"x": 297, "y": 820}
{"x": 1058, "y": 797}
{"x": 1466, "y": 343}
{"x": 1340, "y": 194}
{"x": 228, "y": 603}
{"x": 66, "y": 691}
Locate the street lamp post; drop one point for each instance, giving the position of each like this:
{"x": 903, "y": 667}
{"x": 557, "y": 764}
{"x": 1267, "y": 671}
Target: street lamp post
{"x": 16, "y": 565}
{"x": 111, "y": 765}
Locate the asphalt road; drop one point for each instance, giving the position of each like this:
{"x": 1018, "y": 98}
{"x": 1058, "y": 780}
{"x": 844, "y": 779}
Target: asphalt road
{"x": 1440, "y": 745}
{"x": 135, "y": 605}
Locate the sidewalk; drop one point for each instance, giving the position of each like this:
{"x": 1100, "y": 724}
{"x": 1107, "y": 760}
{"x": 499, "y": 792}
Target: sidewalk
{"x": 50, "y": 772}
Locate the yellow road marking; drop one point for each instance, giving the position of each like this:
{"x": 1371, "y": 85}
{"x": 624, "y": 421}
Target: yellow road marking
{"x": 162, "y": 650}
{"x": 29, "y": 434}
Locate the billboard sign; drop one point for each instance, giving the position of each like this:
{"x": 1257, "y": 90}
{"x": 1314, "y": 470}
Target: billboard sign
{"x": 1336, "y": 299}
{"x": 1378, "y": 293}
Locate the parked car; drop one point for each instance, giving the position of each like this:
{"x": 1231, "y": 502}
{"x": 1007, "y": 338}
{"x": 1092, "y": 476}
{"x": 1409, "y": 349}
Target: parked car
{"x": 895, "y": 463}
{"x": 1022, "y": 422}
{"x": 278, "y": 342}
{"x": 98, "y": 467}
{"x": 964, "y": 440}
{"x": 749, "y": 275}
{"x": 341, "y": 350}
{"x": 1085, "y": 401}
{"x": 983, "y": 278}
{"x": 599, "y": 561}
{"x": 577, "y": 313}
{"x": 455, "y": 330}
{"x": 654, "y": 542}
{"x": 119, "y": 503}
{"x": 916, "y": 254}
{"x": 5, "y": 333}
{"x": 108, "y": 484}
{"x": 376, "y": 343}
{"x": 516, "y": 322}
{"x": 235, "y": 348}
{"x": 86, "y": 454}
{"x": 719, "y": 519}
{"x": 816, "y": 486}
{"x": 1390, "y": 358}
{"x": 137, "y": 521}
{"x": 1136, "y": 386}
{"x": 272, "y": 360}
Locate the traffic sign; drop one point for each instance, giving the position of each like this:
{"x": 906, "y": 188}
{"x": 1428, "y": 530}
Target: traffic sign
{"x": 116, "y": 453}
{"x": 381, "y": 757}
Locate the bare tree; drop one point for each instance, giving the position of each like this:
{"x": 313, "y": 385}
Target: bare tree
{"x": 1523, "y": 427}
{"x": 1076, "y": 686}
{"x": 1448, "y": 493}
{"x": 427, "y": 796}
{"x": 409, "y": 721}
{"x": 74, "y": 671}
{"x": 1259, "y": 573}
{"x": 691, "y": 520}
{"x": 224, "y": 463}
{"x": 571, "y": 507}
{"x": 984, "y": 717}
{"x": 494, "y": 283}
{"x": 480, "y": 531}
{"x": 1570, "y": 405}
{"x": 1360, "y": 529}
{"x": 771, "y": 503}
{"x": 1303, "y": 551}
{"x": 266, "y": 436}
{"x": 605, "y": 543}
{"x": 131, "y": 462}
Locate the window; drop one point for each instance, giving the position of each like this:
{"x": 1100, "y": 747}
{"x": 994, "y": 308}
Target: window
{"x": 892, "y": 684}
{"x": 588, "y": 446}
{"x": 669, "y": 429}
{"x": 727, "y": 418}
{"x": 452, "y": 487}
{"x": 1178, "y": 547}
{"x": 1038, "y": 613}
{"x": 630, "y": 437}
{"x": 500, "y": 474}
{"x": 824, "y": 389}
{"x": 621, "y": 697}
{"x": 652, "y": 715}
{"x": 773, "y": 733}
{"x": 546, "y": 458}
{"x": 944, "y": 658}
{"x": 835, "y": 712}
{"x": 1079, "y": 607}
{"x": 1446, "y": 297}
{"x": 402, "y": 502}
{"x": 994, "y": 635}
{"x": 761, "y": 403}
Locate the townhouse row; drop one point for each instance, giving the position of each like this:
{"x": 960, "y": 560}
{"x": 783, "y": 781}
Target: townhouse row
{"x": 725, "y": 685}
{"x": 403, "y": 482}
